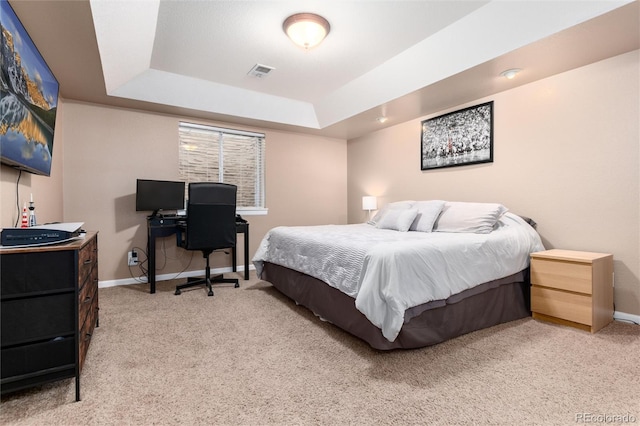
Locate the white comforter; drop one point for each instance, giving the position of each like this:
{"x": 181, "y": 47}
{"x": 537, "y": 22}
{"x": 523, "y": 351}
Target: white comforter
{"x": 388, "y": 271}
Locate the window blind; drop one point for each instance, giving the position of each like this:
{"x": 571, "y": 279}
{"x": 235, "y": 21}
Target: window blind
{"x": 215, "y": 154}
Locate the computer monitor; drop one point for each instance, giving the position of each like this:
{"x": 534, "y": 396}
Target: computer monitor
{"x": 156, "y": 195}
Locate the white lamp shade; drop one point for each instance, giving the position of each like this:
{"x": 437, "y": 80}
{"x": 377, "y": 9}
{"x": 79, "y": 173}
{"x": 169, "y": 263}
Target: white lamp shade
{"x": 306, "y": 29}
{"x": 369, "y": 203}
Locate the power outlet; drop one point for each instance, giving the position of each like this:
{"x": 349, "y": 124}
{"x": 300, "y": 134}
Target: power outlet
{"x": 132, "y": 258}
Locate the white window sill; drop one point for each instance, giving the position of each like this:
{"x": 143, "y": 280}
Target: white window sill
{"x": 252, "y": 212}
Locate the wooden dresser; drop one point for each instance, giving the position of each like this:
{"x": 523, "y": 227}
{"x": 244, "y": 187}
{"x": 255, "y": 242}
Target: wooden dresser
{"x": 49, "y": 308}
{"x": 572, "y": 288}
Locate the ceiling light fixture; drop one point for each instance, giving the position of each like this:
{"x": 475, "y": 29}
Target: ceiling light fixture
{"x": 381, "y": 119}
{"x": 509, "y": 74}
{"x": 306, "y": 30}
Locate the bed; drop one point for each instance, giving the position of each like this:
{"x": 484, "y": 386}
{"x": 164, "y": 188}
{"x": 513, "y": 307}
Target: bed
{"x": 416, "y": 275}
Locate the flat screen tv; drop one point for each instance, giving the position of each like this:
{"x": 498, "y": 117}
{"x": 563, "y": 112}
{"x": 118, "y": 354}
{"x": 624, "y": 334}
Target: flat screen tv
{"x": 29, "y": 99}
{"x": 157, "y": 195}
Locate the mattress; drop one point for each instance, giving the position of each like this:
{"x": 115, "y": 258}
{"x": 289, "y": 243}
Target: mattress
{"x": 388, "y": 272}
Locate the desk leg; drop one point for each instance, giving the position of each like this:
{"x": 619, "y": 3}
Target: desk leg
{"x": 233, "y": 259}
{"x": 246, "y": 253}
{"x": 151, "y": 258}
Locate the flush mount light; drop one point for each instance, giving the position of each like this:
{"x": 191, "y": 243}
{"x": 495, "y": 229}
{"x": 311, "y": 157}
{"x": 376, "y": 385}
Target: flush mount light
{"x": 381, "y": 119}
{"x": 509, "y": 74}
{"x": 306, "y": 30}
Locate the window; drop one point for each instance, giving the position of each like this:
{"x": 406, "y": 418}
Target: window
{"x": 214, "y": 154}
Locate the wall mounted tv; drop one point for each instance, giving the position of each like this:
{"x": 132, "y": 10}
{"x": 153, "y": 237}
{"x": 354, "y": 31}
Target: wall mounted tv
{"x": 29, "y": 99}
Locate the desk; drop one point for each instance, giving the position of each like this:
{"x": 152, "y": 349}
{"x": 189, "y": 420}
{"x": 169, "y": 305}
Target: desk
{"x": 158, "y": 227}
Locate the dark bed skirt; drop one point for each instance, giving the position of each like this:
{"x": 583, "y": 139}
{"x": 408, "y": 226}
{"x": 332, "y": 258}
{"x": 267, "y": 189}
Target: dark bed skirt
{"x": 489, "y": 304}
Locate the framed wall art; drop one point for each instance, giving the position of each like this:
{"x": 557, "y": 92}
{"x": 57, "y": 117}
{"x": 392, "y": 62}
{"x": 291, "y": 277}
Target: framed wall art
{"x": 458, "y": 138}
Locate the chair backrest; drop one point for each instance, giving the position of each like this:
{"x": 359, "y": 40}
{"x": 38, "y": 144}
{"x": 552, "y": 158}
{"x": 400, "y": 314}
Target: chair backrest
{"x": 211, "y": 216}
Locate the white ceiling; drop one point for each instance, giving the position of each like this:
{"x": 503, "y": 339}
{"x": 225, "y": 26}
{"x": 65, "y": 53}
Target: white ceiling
{"x": 402, "y": 59}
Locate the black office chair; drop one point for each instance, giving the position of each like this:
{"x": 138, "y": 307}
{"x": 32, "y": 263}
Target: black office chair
{"x": 211, "y": 225}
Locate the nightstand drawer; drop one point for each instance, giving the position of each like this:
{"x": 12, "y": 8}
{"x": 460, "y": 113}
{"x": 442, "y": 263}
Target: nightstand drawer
{"x": 576, "y": 277}
{"x": 561, "y": 304}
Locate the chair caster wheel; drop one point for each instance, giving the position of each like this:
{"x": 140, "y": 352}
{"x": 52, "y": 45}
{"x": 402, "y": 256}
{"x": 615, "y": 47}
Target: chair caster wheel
{"x": 236, "y": 286}
{"x": 178, "y": 292}
{"x": 210, "y": 293}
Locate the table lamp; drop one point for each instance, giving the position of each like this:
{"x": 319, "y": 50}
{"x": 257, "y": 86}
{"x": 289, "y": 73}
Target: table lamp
{"x": 369, "y": 203}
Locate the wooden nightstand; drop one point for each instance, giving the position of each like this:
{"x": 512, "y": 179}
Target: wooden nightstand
{"x": 572, "y": 288}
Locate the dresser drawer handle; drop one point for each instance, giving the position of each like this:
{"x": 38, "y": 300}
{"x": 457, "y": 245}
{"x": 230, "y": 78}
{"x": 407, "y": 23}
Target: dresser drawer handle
{"x": 87, "y": 299}
{"x": 87, "y": 337}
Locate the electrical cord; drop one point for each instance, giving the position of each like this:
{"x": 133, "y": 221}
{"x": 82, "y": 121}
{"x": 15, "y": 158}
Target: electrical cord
{"x": 624, "y": 319}
{"x": 185, "y": 268}
{"x": 627, "y": 321}
{"x": 18, "y": 198}
{"x": 142, "y": 264}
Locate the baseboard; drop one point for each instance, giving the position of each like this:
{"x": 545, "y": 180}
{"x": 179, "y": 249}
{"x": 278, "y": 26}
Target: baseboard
{"x": 622, "y": 316}
{"x": 619, "y": 316}
{"x": 165, "y": 277}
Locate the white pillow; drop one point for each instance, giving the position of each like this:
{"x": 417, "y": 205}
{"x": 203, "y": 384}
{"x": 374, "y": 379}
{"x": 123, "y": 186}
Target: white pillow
{"x": 479, "y": 218}
{"x": 428, "y": 212}
{"x": 397, "y": 219}
{"x": 395, "y": 205}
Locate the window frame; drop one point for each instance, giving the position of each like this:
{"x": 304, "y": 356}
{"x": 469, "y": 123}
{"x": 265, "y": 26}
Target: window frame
{"x": 259, "y": 179}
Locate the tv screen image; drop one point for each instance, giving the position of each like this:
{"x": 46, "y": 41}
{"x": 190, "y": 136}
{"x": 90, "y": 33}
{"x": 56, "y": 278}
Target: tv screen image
{"x": 156, "y": 195}
{"x": 29, "y": 99}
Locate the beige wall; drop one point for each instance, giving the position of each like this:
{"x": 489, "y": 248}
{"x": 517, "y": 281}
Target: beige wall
{"x": 99, "y": 152}
{"x": 46, "y": 190}
{"x": 106, "y": 149}
{"x": 566, "y": 153}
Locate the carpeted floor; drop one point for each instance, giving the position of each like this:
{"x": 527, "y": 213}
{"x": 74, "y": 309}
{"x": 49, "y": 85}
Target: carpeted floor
{"x": 250, "y": 356}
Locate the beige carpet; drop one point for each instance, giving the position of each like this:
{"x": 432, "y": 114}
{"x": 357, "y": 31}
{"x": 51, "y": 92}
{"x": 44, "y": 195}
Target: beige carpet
{"x": 250, "y": 356}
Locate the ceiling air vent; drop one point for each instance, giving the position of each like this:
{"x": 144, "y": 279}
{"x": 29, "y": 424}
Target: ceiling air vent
{"x": 260, "y": 71}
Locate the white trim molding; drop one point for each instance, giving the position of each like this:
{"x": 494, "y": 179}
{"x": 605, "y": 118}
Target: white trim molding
{"x": 166, "y": 277}
{"x": 618, "y": 316}
{"x": 622, "y": 316}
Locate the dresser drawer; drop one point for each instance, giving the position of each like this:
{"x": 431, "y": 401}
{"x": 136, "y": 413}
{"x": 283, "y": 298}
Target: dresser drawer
{"x": 40, "y": 356}
{"x": 569, "y": 276}
{"x": 20, "y": 276}
{"x": 86, "y": 291}
{"x": 561, "y": 304}
{"x": 48, "y": 317}
{"x": 87, "y": 260}
{"x": 86, "y": 330}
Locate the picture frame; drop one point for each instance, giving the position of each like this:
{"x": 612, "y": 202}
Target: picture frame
{"x": 458, "y": 138}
